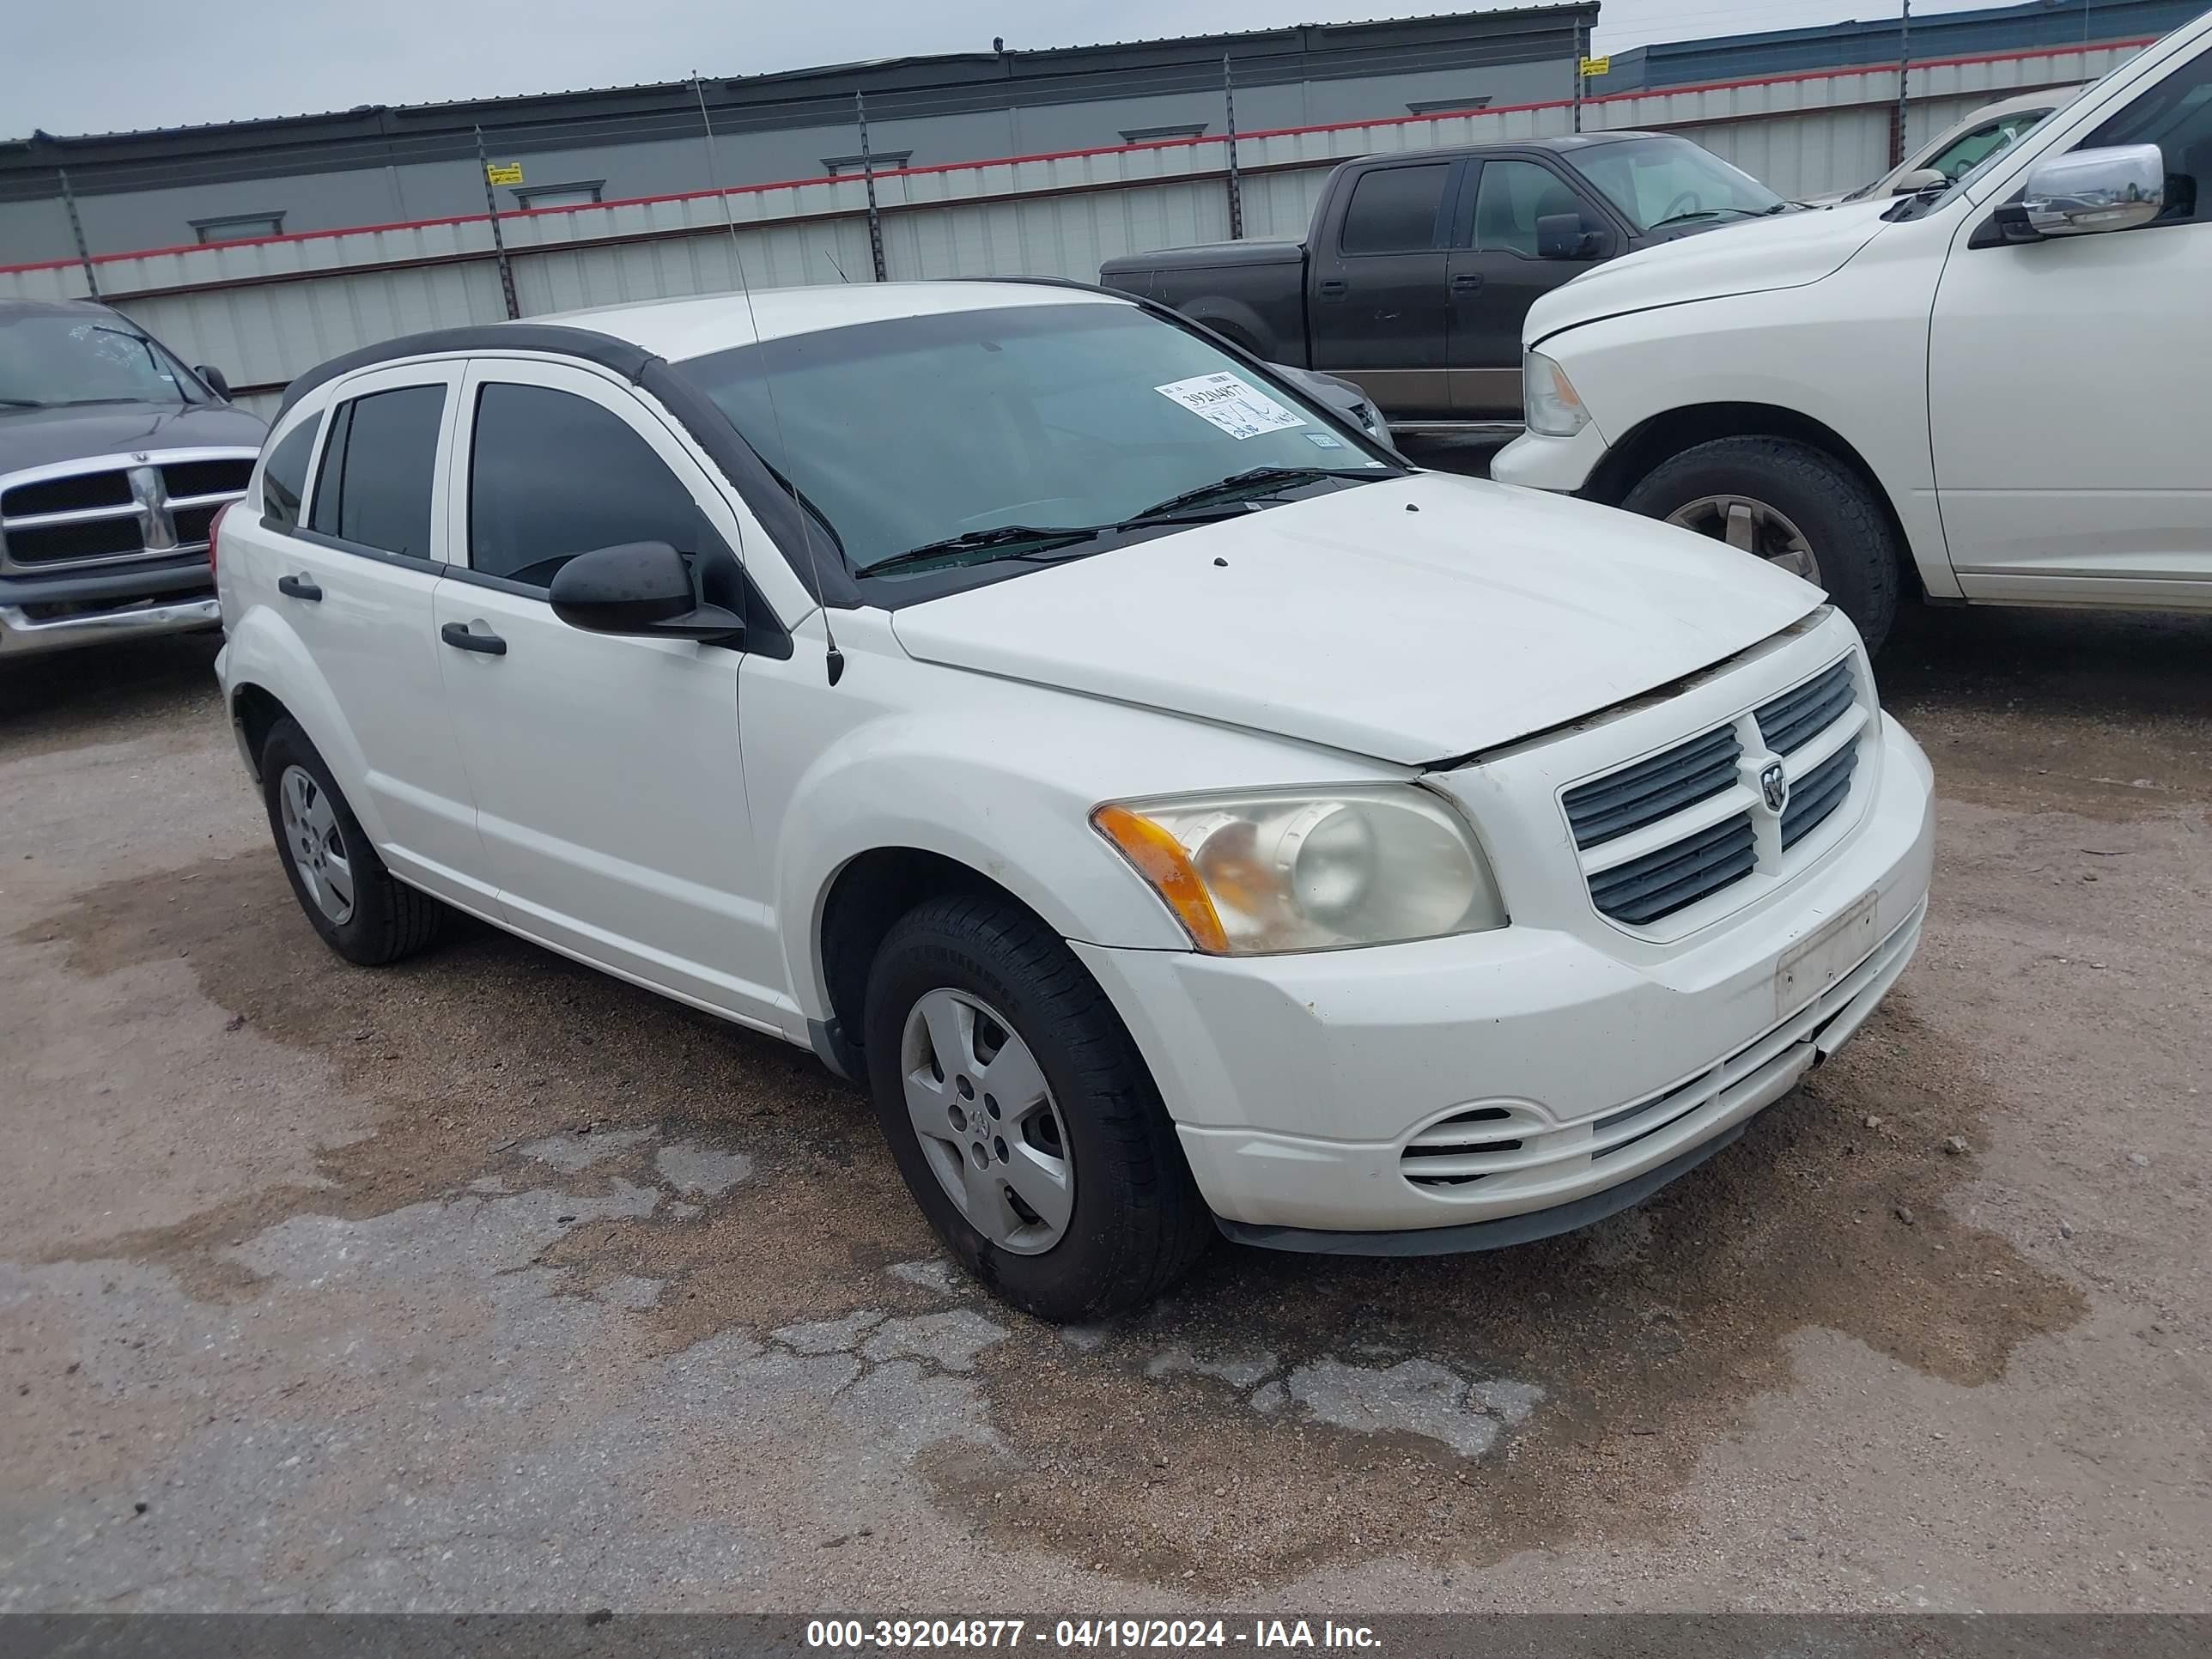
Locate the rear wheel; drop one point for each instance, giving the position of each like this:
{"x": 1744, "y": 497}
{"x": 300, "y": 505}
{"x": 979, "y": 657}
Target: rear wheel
{"x": 348, "y": 896}
{"x": 1021, "y": 1116}
{"x": 1793, "y": 506}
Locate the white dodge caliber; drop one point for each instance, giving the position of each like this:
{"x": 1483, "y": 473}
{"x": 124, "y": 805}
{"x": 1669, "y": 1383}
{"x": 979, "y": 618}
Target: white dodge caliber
{"x": 1182, "y": 814}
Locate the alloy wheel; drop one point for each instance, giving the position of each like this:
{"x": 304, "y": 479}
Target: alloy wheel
{"x": 1751, "y": 526}
{"x": 987, "y": 1122}
{"x": 316, "y": 843}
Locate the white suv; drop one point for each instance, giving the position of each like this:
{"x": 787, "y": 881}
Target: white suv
{"x": 1995, "y": 390}
{"x": 1179, "y": 811}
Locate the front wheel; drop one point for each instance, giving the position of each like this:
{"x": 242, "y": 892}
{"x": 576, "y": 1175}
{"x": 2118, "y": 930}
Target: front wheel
{"x": 1021, "y": 1115}
{"x": 1792, "y": 505}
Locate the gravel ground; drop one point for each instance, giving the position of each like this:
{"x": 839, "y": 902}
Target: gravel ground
{"x": 488, "y": 1282}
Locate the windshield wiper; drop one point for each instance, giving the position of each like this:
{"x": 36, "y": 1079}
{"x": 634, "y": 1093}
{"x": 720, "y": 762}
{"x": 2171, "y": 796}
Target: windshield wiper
{"x": 1252, "y": 482}
{"x": 25, "y": 403}
{"x": 1708, "y": 213}
{"x": 1048, "y": 538}
{"x": 986, "y": 541}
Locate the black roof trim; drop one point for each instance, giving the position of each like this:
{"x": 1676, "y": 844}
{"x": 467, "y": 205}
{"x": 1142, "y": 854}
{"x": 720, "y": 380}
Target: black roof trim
{"x": 554, "y": 338}
{"x": 769, "y": 501}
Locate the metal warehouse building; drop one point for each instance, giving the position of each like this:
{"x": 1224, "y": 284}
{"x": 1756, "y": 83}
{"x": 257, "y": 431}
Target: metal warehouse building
{"x": 388, "y": 164}
{"x": 1885, "y": 41}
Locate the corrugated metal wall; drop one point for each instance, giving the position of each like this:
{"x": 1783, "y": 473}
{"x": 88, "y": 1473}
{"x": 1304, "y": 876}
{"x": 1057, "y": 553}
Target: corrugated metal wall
{"x": 265, "y": 310}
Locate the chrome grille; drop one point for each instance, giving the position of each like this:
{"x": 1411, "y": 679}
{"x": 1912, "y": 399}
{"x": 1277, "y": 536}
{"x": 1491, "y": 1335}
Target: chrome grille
{"x": 116, "y": 508}
{"x": 1662, "y": 833}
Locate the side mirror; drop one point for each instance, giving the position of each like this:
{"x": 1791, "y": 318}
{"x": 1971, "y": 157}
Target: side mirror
{"x": 1564, "y": 236}
{"x": 639, "y": 588}
{"x": 216, "y": 383}
{"x": 1920, "y": 178}
{"x": 2088, "y": 192}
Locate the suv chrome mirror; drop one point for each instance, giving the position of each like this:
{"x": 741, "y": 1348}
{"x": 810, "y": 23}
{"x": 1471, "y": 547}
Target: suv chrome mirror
{"x": 2091, "y": 191}
{"x": 1920, "y": 178}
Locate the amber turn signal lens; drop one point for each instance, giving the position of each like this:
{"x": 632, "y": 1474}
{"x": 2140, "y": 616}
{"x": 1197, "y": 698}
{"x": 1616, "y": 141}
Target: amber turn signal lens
{"x": 1160, "y": 860}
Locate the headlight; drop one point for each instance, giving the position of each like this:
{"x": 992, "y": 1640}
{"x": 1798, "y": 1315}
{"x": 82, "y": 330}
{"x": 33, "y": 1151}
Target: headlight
{"x": 1548, "y": 398}
{"x": 1253, "y": 874}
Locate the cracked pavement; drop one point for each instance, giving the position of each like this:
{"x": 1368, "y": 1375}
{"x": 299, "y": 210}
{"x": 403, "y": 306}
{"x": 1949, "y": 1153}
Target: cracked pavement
{"x": 489, "y": 1283}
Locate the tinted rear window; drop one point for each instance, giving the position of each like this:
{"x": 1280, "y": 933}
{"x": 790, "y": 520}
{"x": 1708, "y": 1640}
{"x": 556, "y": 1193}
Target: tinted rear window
{"x": 374, "y": 488}
{"x": 284, "y": 480}
{"x": 1394, "y": 210}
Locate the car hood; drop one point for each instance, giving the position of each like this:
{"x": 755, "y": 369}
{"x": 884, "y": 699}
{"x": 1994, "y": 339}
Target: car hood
{"x": 1789, "y": 251}
{"x": 1411, "y": 620}
{"x": 34, "y": 437}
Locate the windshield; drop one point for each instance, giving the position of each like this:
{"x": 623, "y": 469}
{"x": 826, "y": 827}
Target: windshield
{"x": 53, "y": 359}
{"x": 1662, "y": 181}
{"x": 911, "y": 434}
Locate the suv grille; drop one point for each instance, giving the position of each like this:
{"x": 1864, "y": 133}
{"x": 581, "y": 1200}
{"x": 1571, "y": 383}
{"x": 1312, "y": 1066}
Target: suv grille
{"x": 1695, "y": 814}
{"x": 112, "y": 510}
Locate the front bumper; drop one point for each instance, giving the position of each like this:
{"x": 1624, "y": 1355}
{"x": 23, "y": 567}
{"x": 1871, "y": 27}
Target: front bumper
{"x": 45, "y": 613}
{"x": 1562, "y": 465}
{"x": 1298, "y": 1083}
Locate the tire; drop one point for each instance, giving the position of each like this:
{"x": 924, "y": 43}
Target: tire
{"x": 1136, "y": 1223}
{"x": 1861, "y": 561}
{"x": 385, "y": 921}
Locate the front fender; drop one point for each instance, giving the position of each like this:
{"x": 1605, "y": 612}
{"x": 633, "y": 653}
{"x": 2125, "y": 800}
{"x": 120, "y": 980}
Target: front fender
{"x": 1857, "y": 363}
{"x": 934, "y": 787}
{"x": 263, "y": 650}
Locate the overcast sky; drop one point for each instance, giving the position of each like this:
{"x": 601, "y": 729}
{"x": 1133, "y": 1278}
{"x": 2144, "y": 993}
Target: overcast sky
{"x": 119, "y": 64}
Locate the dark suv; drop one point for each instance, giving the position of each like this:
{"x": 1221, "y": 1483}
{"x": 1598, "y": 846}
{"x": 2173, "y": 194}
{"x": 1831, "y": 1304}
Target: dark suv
{"x": 114, "y": 459}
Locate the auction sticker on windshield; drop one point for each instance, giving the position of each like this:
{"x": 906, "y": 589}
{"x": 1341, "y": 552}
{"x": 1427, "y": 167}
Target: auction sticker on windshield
{"x": 1237, "y": 406}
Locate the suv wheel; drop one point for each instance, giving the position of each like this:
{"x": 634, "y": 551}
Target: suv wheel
{"x": 361, "y": 913}
{"x": 1792, "y": 505}
{"x": 1022, "y": 1118}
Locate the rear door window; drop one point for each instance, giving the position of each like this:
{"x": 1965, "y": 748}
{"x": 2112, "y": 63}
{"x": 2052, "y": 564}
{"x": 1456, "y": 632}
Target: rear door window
{"x": 374, "y": 490}
{"x": 284, "y": 480}
{"x": 1394, "y": 211}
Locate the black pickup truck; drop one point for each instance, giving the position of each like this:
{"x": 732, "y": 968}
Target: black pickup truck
{"x": 114, "y": 460}
{"x": 1419, "y": 267}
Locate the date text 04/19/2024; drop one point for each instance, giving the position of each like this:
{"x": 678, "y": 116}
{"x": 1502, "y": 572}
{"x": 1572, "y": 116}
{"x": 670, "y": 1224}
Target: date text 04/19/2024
{"x": 881, "y": 1635}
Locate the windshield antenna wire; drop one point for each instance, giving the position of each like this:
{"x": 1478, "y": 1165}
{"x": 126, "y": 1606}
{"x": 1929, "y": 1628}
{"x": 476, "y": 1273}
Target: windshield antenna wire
{"x": 835, "y": 659}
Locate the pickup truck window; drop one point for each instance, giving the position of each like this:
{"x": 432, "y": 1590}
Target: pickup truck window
{"x": 1511, "y": 196}
{"x": 55, "y": 362}
{"x": 374, "y": 490}
{"x": 1393, "y": 210}
{"x": 552, "y": 475}
{"x": 1965, "y": 153}
{"x": 284, "y": 480}
{"x": 907, "y": 433}
{"x": 1663, "y": 181}
{"x": 2176, "y": 115}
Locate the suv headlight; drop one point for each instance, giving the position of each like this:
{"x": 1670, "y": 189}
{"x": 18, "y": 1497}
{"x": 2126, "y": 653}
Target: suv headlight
{"x": 1551, "y": 404}
{"x": 1307, "y": 870}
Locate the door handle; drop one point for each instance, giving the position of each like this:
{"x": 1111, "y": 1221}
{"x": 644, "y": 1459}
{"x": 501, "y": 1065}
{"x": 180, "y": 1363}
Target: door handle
{"x": 1333, "y": 287}
{"x": 457, "y": 634}
{"x": 1466, "y": 281}
{"x": 298, "y": 587}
